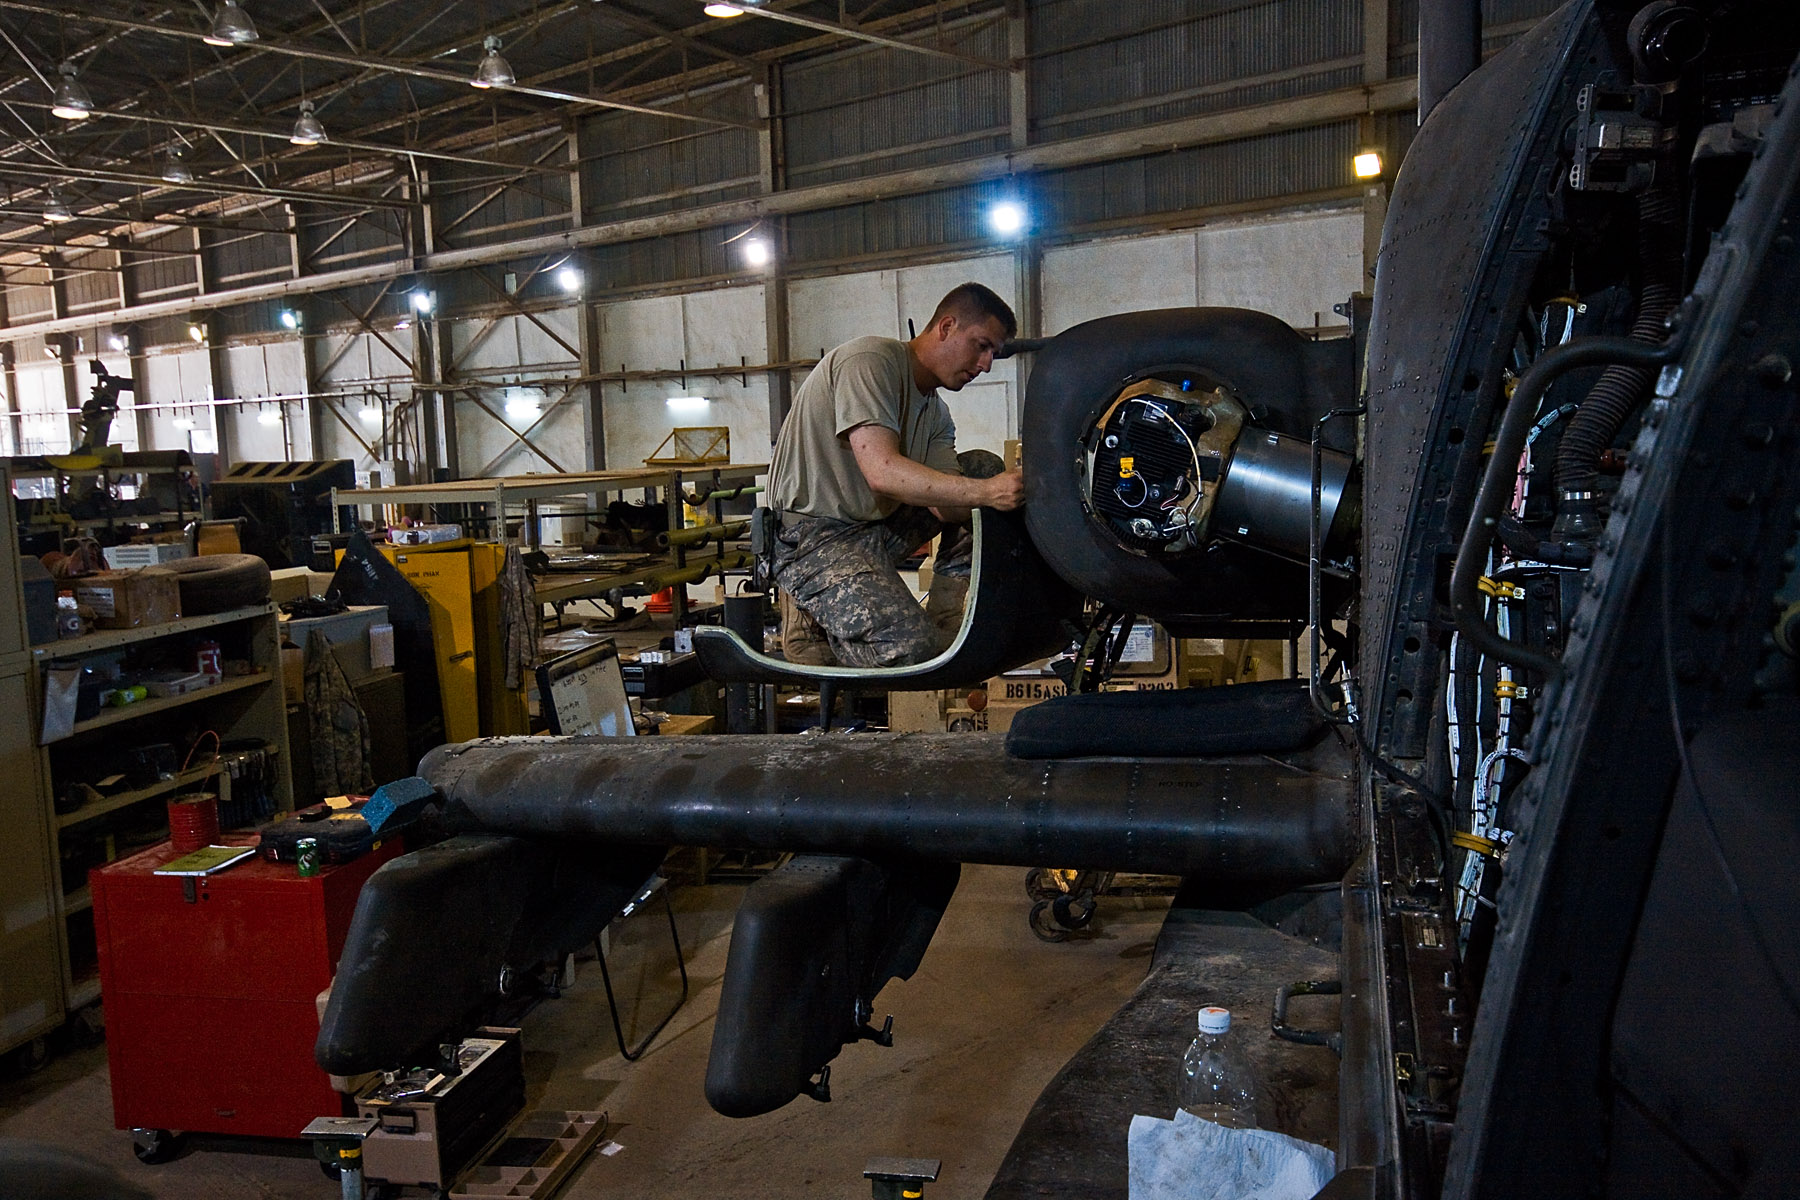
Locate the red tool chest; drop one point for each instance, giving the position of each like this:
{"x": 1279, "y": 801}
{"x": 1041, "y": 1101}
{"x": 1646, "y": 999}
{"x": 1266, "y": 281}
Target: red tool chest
{"x": 209, "y": 989}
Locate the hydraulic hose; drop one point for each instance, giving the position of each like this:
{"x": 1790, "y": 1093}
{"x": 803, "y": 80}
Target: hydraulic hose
{"x": 1622, "y": 387}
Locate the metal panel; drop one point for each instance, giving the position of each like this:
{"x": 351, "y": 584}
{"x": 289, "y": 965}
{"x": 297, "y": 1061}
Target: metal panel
{"x": 868, "y": 111}
{"x": 472, "y": 210}
{"x": 171, "y": 269}
{"x": 1262, "y": 168}
{"x": 91, "y": 282}
{"x": 249, "y": 256}
{"x": 636, "y": 165}
{"x": 1100, "y": 65}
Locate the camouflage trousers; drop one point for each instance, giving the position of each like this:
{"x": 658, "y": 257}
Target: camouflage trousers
{"x": 843, "y": 596}
{"x": 843, "y": 579}
{"x": 844, "y": 576}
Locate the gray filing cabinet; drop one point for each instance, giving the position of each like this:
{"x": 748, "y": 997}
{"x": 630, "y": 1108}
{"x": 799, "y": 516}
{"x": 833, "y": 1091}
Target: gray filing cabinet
{"x": 31, "y": 964}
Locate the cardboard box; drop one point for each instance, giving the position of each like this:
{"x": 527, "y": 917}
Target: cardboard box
{"x": 915, "y": 712}
{"x": 130, "y": 599}
{"x": 143, "y": 554}
{"x": 349, "y": 635}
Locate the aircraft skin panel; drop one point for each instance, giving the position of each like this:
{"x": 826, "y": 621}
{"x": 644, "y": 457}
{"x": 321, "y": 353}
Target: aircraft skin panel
{"x": 1459, "y": 250}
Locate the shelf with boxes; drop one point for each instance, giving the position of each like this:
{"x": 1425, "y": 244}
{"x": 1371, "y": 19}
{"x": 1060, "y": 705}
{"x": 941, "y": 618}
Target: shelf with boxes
{"x": 113, "y": 754}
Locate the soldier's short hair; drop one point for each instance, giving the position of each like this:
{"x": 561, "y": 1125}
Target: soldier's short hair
{"x": 970, "y": 302}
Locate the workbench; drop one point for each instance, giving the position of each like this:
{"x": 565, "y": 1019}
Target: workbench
{"x": 523, "y": 494}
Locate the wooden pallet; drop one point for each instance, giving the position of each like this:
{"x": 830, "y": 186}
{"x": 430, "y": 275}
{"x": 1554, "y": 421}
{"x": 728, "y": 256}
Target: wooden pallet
{"x": 534, "y": 1158}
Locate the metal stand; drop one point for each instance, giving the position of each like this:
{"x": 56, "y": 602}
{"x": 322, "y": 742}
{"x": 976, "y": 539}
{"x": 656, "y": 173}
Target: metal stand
{"x": 901, "y": 1178}
{"x": 655, "y": 886}
{"x": 338, "y": 1141}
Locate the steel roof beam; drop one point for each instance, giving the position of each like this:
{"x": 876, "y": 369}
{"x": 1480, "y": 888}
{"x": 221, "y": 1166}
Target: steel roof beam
{"x": 1302, "y": 112}
{"x": 363, "y": 61}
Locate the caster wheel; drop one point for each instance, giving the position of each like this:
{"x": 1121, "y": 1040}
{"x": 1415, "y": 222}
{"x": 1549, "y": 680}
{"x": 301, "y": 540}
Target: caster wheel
{"x": 1044, "y": 924}
{"x": 1073, "y": 912}
{"x": 154, "y": 1145}
{"x": 31, "y": 1057}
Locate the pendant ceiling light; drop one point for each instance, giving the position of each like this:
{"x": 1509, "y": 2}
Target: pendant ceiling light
{"x": 493, "y": 70}
{"x": 56, "y": 209}
{"x": 232, "y": 26}
{"x": 176, "y": 171}
{"x": 71, "y": 101}
{"x": 307, "y": 130}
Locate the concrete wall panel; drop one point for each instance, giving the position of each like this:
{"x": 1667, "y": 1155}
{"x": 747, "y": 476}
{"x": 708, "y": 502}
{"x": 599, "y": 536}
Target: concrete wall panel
{"x": 1098, "y": 279}
{"x": 1295, "y": 268}
{"x": 826, "y": 312}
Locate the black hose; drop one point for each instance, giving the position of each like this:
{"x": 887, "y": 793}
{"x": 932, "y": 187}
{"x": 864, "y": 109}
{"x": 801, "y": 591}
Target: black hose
{"x": 1621, "y": 387}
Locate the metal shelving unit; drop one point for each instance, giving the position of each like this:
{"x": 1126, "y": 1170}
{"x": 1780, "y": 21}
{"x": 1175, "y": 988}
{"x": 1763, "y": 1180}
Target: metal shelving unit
{"x": 245, "y": 707}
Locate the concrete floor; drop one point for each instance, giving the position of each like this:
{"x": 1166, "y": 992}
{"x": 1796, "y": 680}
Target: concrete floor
{"x": 989, "y": 1018}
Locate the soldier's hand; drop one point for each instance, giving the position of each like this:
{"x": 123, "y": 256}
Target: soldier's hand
{"x": 1005, "y": 491}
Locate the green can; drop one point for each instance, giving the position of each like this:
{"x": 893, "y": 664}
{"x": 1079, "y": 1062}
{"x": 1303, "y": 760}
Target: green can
{"x": 306, "y": 857}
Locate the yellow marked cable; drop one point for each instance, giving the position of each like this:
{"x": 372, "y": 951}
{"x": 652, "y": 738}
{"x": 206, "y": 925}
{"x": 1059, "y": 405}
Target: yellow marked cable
{"x": 1494, "y": 587}
{"x": 1486, "y": 847}
{"x": 1506, "y": 689}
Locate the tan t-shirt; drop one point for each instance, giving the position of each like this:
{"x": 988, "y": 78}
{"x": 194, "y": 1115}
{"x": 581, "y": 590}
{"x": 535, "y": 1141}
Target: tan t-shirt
{"x": 867, "y": 381}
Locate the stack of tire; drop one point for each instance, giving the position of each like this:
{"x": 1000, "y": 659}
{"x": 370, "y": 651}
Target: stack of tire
{"x": 214, "y": 583}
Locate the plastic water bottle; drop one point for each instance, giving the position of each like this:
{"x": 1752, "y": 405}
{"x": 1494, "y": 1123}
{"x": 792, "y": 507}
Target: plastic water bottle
{"x": 1216, "y": 1084}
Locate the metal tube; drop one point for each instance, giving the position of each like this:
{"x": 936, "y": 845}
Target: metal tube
{"x": 695, "y": 571}
{"x": 694, "y": 535}
{"x": 1252, "y": 823}
{"x": 1449, "y": 48}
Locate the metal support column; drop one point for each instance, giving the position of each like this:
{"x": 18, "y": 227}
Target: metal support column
{"x": 1449, "y": 48}
{"x": 772, "y": 166}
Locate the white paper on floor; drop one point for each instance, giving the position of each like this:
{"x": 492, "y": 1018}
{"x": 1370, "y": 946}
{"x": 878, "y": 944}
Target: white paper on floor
{"x": 1192, "y": 1159}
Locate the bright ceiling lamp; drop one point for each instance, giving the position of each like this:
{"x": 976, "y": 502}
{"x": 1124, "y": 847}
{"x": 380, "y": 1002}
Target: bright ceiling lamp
{"x": 722, "y": 11}
{"x": 269, "y": 417}
{"x": 307, "y": 130}
{"x": 176, "y": 169}
{"x": 521, "y": 404}
{"x": 56, "y": 209}
{"x": 71, "y": 101}
{"x": 569, "y": 280}
{"x": 1366, "y": 164}
{"x": 290, "y": 318}
{"x": 1007, "y": 218}
{"x": 493, "y": 70}
{"x": 757, "y": 252}
{"x": 231, "y": 27}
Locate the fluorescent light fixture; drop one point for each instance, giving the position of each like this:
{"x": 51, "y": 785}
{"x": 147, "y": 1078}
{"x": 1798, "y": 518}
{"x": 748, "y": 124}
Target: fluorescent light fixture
{"x": 290, "y": 319}
{"x": 493, "y": 70}
{"x": 197, "y": 331}
{"x": 307, "y": 130}
{"x": 569, "y": 279}
{"x": 688, "y": 404}
{"x": 1007, "y": 218}
{"x": 176, "y": 171}
{"x": 1366, "y": 164}
{"x": 521, "y": 404}
{"x": 52, "y": 351}
{"x": 71, "y": 101}
{"x": 757, "y": 252}
{"x": 231, "y": 27}
{"x": 424, "y": 301}
{"x": 370, "y": 413}
{"x": 117, "y": 342}
{"x": 269, "y": 417}
{"x": 402, "y": 324}
{"x": 723, "y": 11}
{"x": 56, "y": 209}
